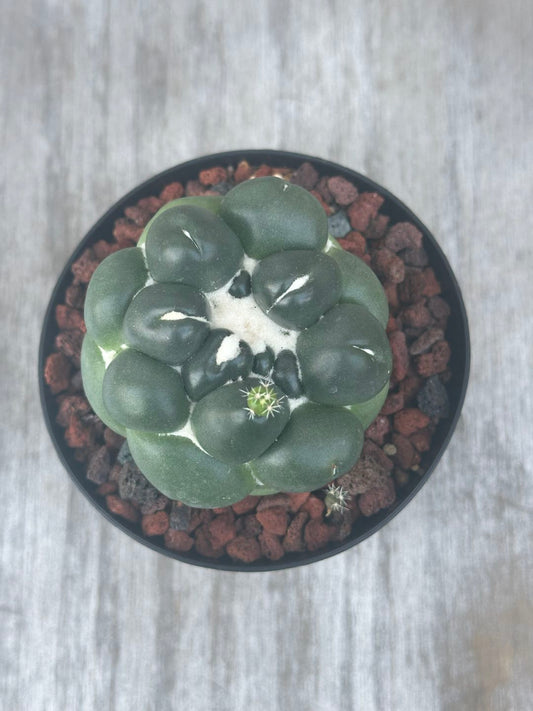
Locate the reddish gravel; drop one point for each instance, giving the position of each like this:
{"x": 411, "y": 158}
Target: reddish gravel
{"x": 270, "y": 527}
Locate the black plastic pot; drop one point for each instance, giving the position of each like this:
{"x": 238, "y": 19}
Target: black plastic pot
{"x": 457, "y": 335}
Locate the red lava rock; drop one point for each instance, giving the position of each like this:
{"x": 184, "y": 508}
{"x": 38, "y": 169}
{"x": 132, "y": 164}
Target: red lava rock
{"x": 343, "y": 192}
{"x": 432, "y": 286}
{"x": 416, "y": 315}
{"x": 400, "y": 356}
{"x": 108, "y": 487}
{"x": 212, "y": 176}
{"x": 426, "y": 340}
{"x": 155, "y": 524}
{"x": 103, "y": 249}
{"x": 306, "y": 176}
{"x": 84, "y": 267}
{"x": 377, "y": 227}
{"x": 113, "y": 440}
{"x": 391, "y": 292}
{"x": 388, "y": 265}
{"x": 198, "y": 517}
{"x": 268, "y": 502}
{"x": 410, "y": 386}
{"x": 194, "y": 188}
{"x": 314, "y": 507}
{"x": 376, "y": 499}
{"x": 354, "y": 242}
{"x": 293, "y": 541}
{"x": 221, "y": 509}
{"x": 327, "y": 208}
{"x": 221, "y": 529}
{"x": 262, "y": 171}
{"x": 411, "y": 289}
{"x": 203, "y": 545}
{"x": 122, "y": 508}
{"x": 410, "y": 420}
{"x": 69, "y": 343}
{"x": 246, "y": 505}
{"x": 152, "y": 204}
{"x": 99, "y": 466}
{"x": 434, "y": 362}
{"x": 178, "y": 540}
{"x": 297, "y": 500}
{"x": 421, "y": 440}
{"x": 126, "y": 232}
{"x": 68, "y": 318}
{"x": 363, "y": 209}
{"x": 242, "y": 172}
{"x": 403, "y": 235}
{"x": 69, "y": 405}
{"x": 366, "y": 474}
{"x": 251, "y": 525}
{"x": 57, "y": 371}
{"x": 393, "y": 403}
{"x": 316, "y": 534}
{"x": 439, "y": 309}
{"x": 274, "y": 520}
{"x": 378, "y": 455}
{"x": 244, "y": 548}
{"x": 392, "y": 325}
{"x": 138, "y": 215}
{"x": 75, "y": 296}
{"x": 172, "y": 191}
{"x": 406, "y": 455}
{"x": 415, "y": 257}
{"x": 323, "y": 191}
{"x": 271, "y": 546}
{"x": 378, "y": 429}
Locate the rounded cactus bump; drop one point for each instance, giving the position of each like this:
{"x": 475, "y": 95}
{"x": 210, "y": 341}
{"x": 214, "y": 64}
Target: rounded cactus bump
{"x": 237, "y": 346}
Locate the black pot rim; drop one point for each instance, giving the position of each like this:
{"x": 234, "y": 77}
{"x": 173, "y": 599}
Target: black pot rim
{"x": 393, "y": 206}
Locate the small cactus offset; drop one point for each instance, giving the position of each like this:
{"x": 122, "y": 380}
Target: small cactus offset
{"x": 336, "y": 499}
{"x": 238, "y": 348}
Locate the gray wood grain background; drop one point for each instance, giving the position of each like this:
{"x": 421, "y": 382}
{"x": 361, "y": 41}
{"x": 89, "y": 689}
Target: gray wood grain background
{"x": 435, "y": 101}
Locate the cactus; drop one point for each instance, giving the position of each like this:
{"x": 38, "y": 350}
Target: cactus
{"x": 237, "y": 347}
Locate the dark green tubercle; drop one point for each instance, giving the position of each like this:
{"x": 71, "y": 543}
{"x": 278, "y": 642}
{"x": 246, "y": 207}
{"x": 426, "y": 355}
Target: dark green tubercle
{"x": 295, "y": 288}
{"x": 271, "y": 215}
{"x": 181, "y": 470}
{"x": 318, "y": 444}
{"x": 190, "y": 245}
{"x": 241, "y": 286}
{"x": 263, "y": 362}
{"x": 237, "y": 422}
{"x": 207, "y": 420}
{"x": 112, "y": 287}
{"x": 141, "y": 393}
{"x": 345, "y": 358}
{"x": 167, "y": 321}
{"x": 93, "y": 369}
{"x": 208, "y": 368}
{"x": 285, "y": 374}
{"x": 359, "y": 284}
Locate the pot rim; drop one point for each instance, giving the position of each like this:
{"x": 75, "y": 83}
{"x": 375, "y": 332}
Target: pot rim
{"x": 458, "y": 328}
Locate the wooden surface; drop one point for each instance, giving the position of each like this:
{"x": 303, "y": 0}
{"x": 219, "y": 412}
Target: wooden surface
{"x": 435, "y": 101}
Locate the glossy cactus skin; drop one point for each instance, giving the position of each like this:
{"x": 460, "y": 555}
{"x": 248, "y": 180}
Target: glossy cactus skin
{"x": 209, "y": 418}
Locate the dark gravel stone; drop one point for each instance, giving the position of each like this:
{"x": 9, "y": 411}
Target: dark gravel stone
{"x": 433, "y": 398}
{"x": 124, "y": 454}
{"x": 338, "y": 224}
{"x": 180, "y": 516}
{"x": 241, "y": 286}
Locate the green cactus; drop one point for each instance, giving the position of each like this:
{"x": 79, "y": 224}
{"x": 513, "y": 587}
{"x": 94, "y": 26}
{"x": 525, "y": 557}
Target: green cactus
{"x": 237, "y": 346}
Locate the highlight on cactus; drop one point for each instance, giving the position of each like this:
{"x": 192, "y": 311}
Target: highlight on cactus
{"x": 238, "y": 348}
